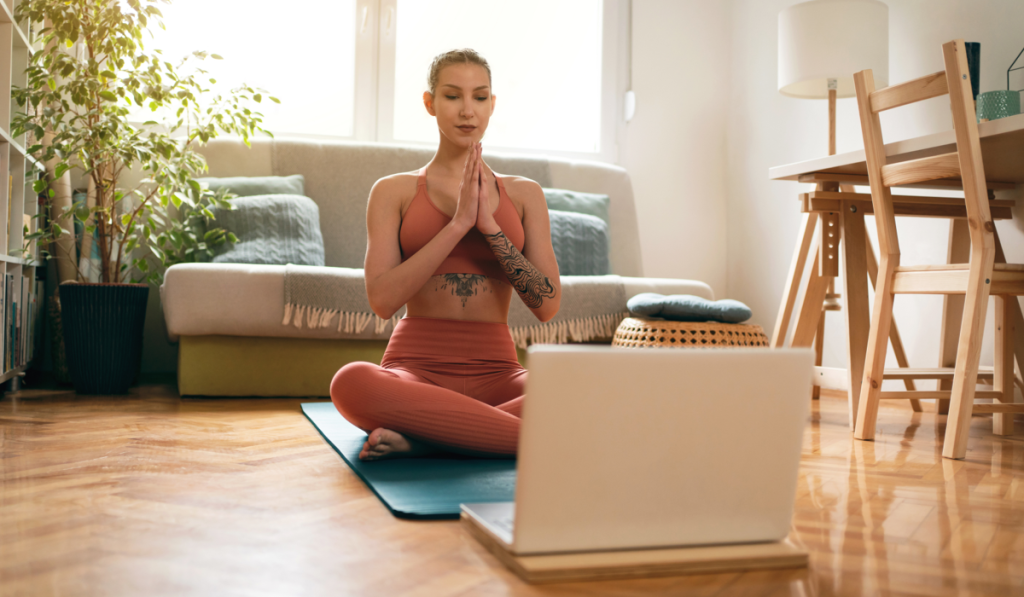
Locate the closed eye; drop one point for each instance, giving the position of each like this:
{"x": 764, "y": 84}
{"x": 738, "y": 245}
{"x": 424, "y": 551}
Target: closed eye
{"x": 452, "y": 97}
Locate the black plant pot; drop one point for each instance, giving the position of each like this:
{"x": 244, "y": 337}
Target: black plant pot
{"x": 103, "y": 334}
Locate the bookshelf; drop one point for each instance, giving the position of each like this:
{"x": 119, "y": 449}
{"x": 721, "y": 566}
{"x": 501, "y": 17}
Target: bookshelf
{"x": 21, "y": 294}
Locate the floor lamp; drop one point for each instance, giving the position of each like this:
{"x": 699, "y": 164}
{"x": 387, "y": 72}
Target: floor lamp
{"x": 821, "y": 44}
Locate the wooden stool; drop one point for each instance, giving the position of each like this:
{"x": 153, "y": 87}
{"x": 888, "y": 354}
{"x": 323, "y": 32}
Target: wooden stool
{"x": 636, "y": 332}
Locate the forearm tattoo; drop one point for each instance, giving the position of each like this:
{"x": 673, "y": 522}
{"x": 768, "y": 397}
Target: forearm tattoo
{"x": 529, "y": 282}
{"x": 462, "y": 285}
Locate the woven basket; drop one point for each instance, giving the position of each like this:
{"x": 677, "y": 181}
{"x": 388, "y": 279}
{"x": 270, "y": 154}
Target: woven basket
{"x": 634, "y": 332}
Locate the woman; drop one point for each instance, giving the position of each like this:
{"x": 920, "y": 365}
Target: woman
{"x": 452, "y": 242}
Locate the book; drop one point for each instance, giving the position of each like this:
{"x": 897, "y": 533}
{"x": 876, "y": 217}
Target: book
{"x": 23, "y": 321}
{"x": 9, "y": 322}
{"x": 3, "y": 321}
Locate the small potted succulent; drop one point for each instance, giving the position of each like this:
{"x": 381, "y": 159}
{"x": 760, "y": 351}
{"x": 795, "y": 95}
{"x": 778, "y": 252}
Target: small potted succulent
{"x": 90, "y": 75}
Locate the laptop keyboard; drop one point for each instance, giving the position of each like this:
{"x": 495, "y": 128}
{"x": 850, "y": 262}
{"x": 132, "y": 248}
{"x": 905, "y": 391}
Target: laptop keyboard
{"x": 505, "y": 523}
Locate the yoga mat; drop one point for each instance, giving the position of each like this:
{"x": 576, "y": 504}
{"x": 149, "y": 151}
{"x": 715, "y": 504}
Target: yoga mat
{"x": 418, "y": 488}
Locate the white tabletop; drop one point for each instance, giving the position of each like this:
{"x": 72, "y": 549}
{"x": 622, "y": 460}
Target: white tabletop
{"x": 1002, "y": 147}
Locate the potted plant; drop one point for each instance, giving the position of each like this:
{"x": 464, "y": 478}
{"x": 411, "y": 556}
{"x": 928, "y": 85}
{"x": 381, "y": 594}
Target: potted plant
{"x": 83, "y": 84}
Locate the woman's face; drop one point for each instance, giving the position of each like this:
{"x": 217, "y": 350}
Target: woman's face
{"x": 462, "y": 103}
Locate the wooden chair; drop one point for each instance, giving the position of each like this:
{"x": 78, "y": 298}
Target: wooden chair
{"x": 976, "y": 280}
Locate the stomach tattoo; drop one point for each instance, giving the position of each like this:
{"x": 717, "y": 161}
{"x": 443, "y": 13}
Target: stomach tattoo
{"x": 462, "y": 285}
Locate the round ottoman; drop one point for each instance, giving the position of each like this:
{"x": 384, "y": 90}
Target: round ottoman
{"x": 637, "y": 332}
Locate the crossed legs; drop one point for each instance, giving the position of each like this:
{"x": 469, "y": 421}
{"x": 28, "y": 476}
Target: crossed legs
{"x": 409, "y": 413}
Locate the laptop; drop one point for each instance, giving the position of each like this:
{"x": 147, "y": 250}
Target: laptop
{"x": 653, "y": 448}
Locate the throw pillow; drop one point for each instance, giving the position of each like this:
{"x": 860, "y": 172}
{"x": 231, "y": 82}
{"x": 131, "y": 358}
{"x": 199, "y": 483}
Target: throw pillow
{"x": 272, "y": 229}
{"x": 580, "y": 242}
{"x": 686, "y": 307}
{"x": 582, "y": 203}
{"x": 247, "y": 186}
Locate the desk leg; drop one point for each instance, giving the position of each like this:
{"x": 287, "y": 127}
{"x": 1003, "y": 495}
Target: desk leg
{"x": 1009, "y": 344}
{"x": 810, "y": 308}
{"x": 796, "y": 272}
{"x": 819, "y": 350}
{"x": 959, "y": 251}
{"x": 855, "y": 298}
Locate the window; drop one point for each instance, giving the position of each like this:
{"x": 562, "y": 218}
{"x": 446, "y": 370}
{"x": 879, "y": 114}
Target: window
{"x": 306, "y": 61}
{"x": 357, "y": 69}
{"x": 545, "y": 58}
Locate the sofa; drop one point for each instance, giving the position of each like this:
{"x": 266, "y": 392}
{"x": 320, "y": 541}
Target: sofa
{"x": 227, "y": 317}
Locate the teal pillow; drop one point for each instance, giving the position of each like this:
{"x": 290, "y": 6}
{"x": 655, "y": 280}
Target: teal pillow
{"x": 580, "y": 242}
{"x": 271, "y": 229}
{"x": 247, "y": 186}
{"x": 686, "y": 307}
{"x": 581, "y": 203}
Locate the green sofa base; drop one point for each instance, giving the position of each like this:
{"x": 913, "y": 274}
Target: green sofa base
{"x": 246, "y": 366}
{"x": 249, "y": 366}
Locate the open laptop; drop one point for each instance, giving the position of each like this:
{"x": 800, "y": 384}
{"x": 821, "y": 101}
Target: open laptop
{"x": 652, "y": 448}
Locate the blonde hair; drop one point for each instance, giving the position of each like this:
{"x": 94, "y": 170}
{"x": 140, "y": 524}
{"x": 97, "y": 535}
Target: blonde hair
{"x": 463, "y": 56}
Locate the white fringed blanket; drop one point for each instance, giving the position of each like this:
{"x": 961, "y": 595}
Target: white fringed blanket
{"x": 318, "y": 297}
{"x": 591, "y": 308}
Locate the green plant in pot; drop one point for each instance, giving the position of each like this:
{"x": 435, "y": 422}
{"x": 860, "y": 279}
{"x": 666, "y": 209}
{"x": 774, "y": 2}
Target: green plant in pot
{"x": 90, "y": 75}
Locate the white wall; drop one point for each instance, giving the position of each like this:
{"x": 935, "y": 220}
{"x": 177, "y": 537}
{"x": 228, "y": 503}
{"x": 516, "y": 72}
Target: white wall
{"x": 674, "y": 147}
{"x": 766, "y": 129}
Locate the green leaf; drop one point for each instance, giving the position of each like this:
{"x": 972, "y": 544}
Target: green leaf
{"x": 275, "y": 100}
{"x": 108, "y": 95}
{"x": 39, "y": 186}
{"x": 216, "y": 57}
{"x": 60, "y": 170}
{"x": 52, "y": 84}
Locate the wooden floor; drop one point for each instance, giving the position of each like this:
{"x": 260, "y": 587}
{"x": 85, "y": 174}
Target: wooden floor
{"x": 154, "y": 495}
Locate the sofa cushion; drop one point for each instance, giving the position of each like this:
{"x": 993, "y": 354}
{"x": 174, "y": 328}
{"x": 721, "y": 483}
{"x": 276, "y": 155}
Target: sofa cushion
{"x": 272, "y": 229}
{"x": 580, "y": 242}
{"x": 229, "y": 299}
{"x": 593, "y": 204}
{"x": 223, "y": 299}
{"x": 247, "y": 186}
{"x": 338, "y": 175}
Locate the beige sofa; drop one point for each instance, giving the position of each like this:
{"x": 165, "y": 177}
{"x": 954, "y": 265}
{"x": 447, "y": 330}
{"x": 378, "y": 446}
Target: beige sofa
{"x": 227, "y": 318}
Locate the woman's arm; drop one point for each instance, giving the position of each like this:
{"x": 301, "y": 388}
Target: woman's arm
{"x": 534, "y": 274}
{"x": 390, "y": 283}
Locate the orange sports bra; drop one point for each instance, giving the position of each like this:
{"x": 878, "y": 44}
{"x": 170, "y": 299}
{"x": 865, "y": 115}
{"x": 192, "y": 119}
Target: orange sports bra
{"x": 472, "y": 255}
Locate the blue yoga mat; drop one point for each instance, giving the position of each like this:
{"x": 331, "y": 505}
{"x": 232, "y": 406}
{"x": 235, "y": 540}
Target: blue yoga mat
{"x": 420, "y": 488}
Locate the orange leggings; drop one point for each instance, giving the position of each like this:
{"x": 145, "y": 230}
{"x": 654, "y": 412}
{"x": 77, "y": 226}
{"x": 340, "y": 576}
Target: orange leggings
{"x": 449, "y": 382}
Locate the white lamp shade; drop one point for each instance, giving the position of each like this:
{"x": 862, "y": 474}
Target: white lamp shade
{"x": 832, "y": 39}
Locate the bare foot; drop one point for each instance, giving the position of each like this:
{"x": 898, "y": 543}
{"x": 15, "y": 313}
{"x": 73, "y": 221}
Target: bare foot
{"x": 384, "y": 443}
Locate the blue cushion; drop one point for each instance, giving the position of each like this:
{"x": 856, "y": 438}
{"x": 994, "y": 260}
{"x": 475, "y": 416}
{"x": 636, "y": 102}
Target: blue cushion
{"x": 247, "y": 186}
{"x": 576, "y": 202}
{"x": 580, "y": 242}
{"x": 686, "y": 307}
{"x": 271, "y": 229}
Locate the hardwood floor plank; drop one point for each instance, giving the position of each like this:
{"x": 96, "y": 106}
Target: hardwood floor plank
{"x": 156, "y": 495}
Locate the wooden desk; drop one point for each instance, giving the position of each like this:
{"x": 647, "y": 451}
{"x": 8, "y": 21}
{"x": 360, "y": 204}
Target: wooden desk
{"x": 1002, "y": 144}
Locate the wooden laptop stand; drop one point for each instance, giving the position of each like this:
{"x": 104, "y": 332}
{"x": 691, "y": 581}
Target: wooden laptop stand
{"x": 634, "y": 563}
